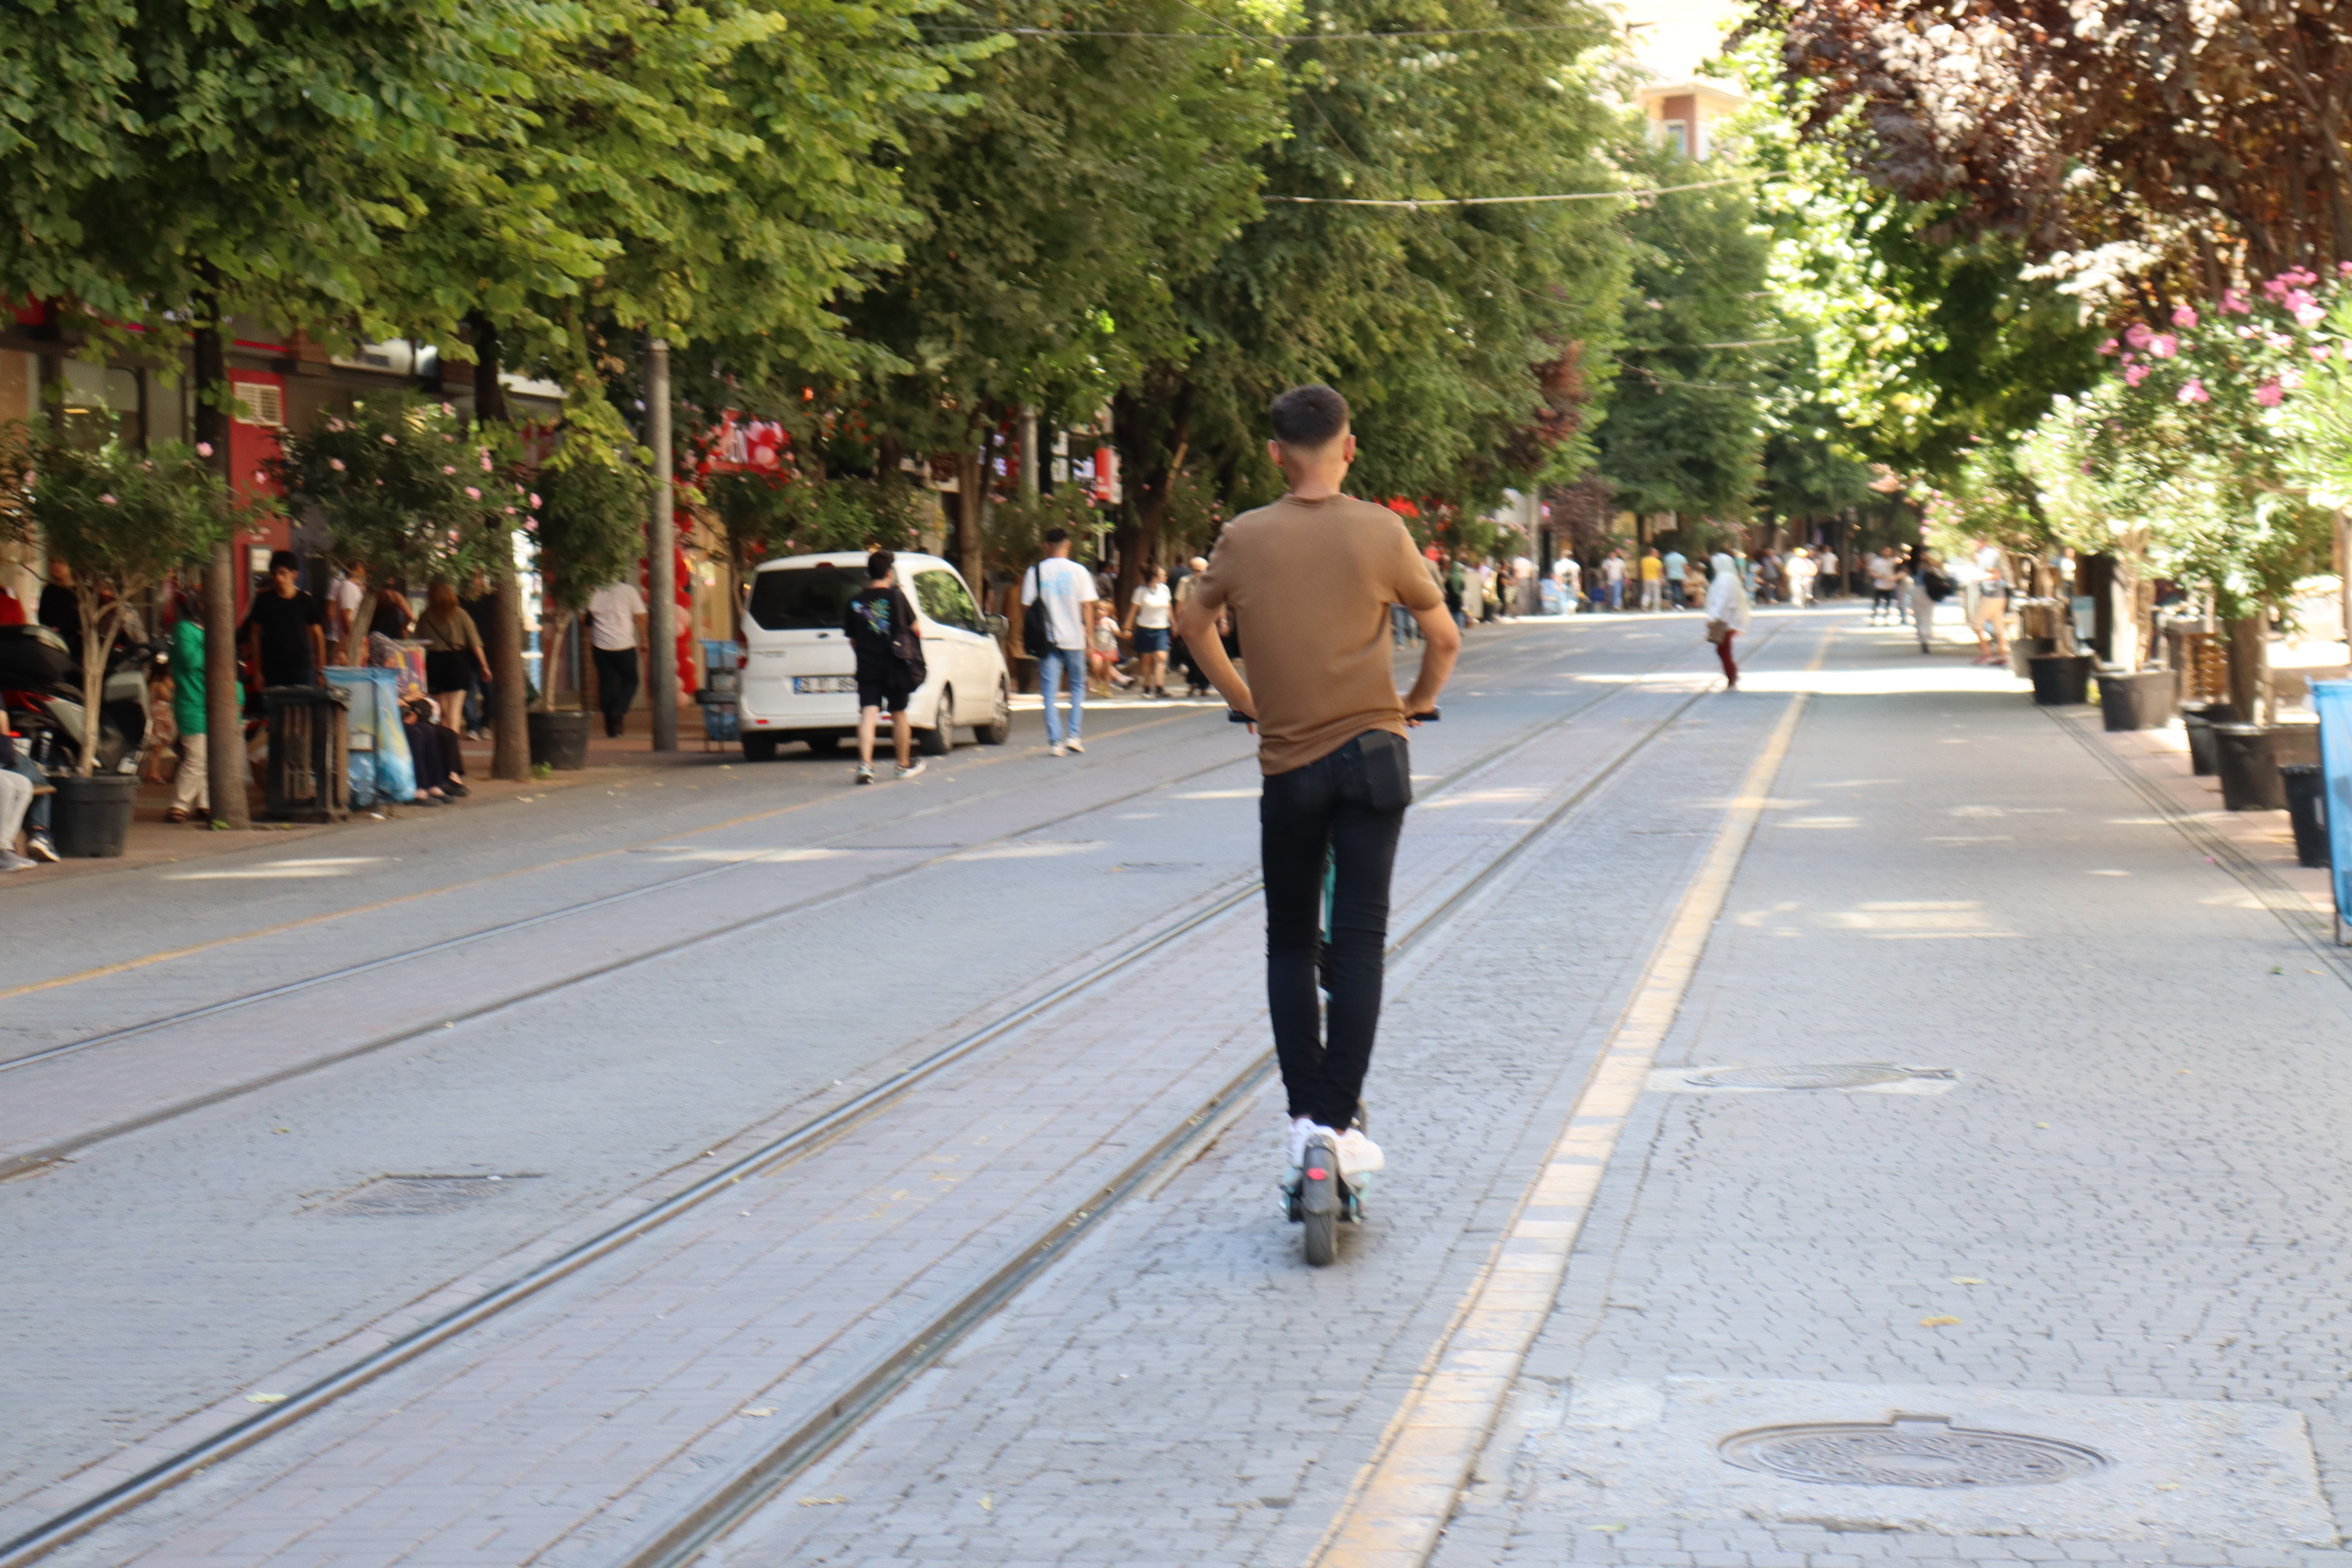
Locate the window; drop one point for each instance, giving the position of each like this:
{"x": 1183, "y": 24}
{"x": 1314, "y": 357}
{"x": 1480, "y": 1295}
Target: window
{"x": 803, "y": 598}
{"x": 943, "y": 598}
{"x": 259, "y": 403}
{"x": 102, "y": 404}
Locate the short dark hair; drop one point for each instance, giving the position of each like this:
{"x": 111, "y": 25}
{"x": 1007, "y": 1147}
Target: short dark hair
{"x": 1311, "y": 415}
{"x": 878, "y": 564}
{"x": 1057, "y": 536}
{"x": 284, "y": 558}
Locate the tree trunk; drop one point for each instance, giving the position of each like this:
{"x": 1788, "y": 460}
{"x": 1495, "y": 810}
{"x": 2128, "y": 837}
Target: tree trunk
{"x": 2250, "y": 667}
{"x": 971, "y": 502}
{"x": 554, "y": 625}
{"x": 97, "y": 632}
{"x": 510, "y": 698}
{"x": 225, "y": 772}
{"x": 1156, "y": 468}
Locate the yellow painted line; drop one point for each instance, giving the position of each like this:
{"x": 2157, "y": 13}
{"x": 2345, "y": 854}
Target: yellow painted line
{"x": 128, "y": 964}
{"x": 1402, "y": 1498}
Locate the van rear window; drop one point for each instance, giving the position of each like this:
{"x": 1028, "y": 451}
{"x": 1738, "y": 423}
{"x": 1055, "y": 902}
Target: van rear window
{"x": 803, "y": 598}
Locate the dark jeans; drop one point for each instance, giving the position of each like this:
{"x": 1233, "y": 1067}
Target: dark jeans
{"x": 617, "y": 685}
{"x": 1348, "y": 807}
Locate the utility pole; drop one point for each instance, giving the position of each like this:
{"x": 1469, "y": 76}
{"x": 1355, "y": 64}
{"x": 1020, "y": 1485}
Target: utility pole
{"x": 661, "y": 615}
{"x": 225, "y": 769}
{"x": 1028, "y": 451}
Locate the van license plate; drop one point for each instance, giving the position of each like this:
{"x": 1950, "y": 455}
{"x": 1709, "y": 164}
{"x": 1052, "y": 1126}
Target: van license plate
{"x": 805, "y": 683}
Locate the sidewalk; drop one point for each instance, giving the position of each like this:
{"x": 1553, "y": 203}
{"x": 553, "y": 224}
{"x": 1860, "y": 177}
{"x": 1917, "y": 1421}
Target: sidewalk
{"x": 2109, "y": 1220}
{"x": 156, "y": 841}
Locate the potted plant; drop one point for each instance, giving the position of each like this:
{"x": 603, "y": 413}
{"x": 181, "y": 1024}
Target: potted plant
{"x": 589, "y": 529}
{"x": 123, "y": 521}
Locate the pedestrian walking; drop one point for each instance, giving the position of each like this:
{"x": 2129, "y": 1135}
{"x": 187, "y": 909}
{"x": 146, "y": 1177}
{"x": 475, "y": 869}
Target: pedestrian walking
{"x": 1677, "y": 567}
{"x": 1727, "y": 614}
{"x": 1802, "y": 571}
{"x": 345, "y": 595}
{"x": 453, "y": 657}
{"x": 1456, "y": 583}
{"x": 1827, "y": 584}
{"x": 1569, "y": 572}
{"x": 191, "y": 786}
{"x": 1928, "y": 585}
{"x": 1654, "y": 580}
{"x": 1195, "y": 683}
{"x": 1063, "y": 593}
{"x": 1312, "y": 576}
{"x": 616, "y": 631}
{"x": 1880, "y": 570}
{"x": 1694, "y": 584}
{"x": 1149, "y": 622}
{"x": 887, "y": 640}
{"x": 1990, "y": 618}
{"x": 1613, "y": 578}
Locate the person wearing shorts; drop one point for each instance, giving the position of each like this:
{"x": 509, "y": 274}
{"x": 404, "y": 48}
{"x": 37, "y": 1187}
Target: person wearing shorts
{"x": 1148, "y": 618}
{"x": 874, "y": 620}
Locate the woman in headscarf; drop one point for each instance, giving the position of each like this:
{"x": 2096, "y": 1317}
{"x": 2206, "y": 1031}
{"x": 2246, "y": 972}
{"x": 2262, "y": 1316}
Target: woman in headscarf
{"x": 1727, "y": 613}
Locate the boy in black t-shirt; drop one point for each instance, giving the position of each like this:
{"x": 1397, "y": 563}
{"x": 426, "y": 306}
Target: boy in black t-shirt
{"x": 285, "y": 631}
{"x": 878, "y": 621}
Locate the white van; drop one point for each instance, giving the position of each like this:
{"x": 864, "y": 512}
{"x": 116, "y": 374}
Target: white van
{"x": 800, "y": 677}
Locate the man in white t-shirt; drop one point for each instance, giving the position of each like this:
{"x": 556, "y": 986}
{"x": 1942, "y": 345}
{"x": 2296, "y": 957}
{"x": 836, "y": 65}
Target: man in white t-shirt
{"x": 616, "y": 630}
{"x": 1612, "y": 574}
{"x": 1880, "y": 569}
{"x": 1068, "y": 591}
{"x": 345, "y": 596}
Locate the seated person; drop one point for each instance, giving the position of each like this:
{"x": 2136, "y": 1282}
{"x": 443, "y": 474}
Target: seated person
{"x": 440, "y": 769}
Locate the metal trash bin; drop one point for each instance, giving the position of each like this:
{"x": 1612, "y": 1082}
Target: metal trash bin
{"x": 2307, "y": 808}
{"x": 307, "y": 742}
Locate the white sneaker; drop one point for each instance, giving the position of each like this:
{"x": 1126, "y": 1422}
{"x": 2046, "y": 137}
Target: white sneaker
{"x": 1301, "y": 1129}
{"x": 1359, "y": 1155}
{"x": 1055, "y": 749}
{"x": 911, "y": 769}
{"x": 1073, "y": 744}
{"x": 12, "y": 861}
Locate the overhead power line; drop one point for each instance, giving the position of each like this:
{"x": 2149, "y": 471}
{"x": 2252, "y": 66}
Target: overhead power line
{"x": 1508, "y": 201}
{"x": 1267, "y": 38}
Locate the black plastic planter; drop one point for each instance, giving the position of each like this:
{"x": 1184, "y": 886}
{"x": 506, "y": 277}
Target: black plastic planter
{"x": 559, "y": 740}
{"x": 2307, "y": 808}
{"x": 90, "y": 818}
{"x": 2249, "y": 767}
{"x": 2141, "y": 699}
{"x": 2061, "y": 680}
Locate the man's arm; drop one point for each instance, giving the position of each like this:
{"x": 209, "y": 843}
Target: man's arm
{"x": 1442, "y": 642}
{"x": 1198, "y": 627}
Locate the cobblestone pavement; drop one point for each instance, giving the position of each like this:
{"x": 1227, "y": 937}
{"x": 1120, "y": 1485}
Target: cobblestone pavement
{"x": 2118, "y": 1224}
{"x": 156, "y": 1281}
{"x": 2088, "y": 1201}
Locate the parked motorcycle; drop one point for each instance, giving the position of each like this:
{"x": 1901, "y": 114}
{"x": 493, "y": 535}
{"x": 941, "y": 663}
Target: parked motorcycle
{"x": 40, "y": 680}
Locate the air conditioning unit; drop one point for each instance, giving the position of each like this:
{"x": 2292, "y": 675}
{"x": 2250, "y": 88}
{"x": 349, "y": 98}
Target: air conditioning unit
{"x": 261, "y": 403}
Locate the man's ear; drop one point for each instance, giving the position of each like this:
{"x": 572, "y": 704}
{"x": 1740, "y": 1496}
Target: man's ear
{"x": 1274, "y": 453}
{"x": 1347, "y": 452}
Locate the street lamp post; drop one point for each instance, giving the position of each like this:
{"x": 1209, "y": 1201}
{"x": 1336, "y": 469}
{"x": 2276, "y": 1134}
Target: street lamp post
{"x": 661, "y": 615}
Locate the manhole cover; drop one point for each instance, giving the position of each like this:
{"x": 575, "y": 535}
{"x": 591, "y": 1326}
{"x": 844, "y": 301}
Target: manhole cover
{"x": 1909, "y": 1451}
{"x": 418, "y": 1195}
{"x": 1809, "y": 1076}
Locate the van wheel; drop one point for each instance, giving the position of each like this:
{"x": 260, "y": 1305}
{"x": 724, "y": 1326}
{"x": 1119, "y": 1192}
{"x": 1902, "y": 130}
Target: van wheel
{"x": 939, "y": 740}
{"x": 824, "y": 745}
{"x": 759, "y": 748}
{"x": 998, "y": 728}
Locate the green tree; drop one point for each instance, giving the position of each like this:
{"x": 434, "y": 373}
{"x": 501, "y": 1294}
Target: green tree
{"x": 1687, "y": 422}
{"x": 407, "y": 489}
{"x": 1928, "y": 333}
{"x": 167, "y": 163}
{"x": 123, "y": 521}
{"x": 1471, "y": 342}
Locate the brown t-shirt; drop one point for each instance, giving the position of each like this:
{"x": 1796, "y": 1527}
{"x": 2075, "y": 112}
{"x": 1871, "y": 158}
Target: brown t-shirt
{"x": 1310, "y": 582}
